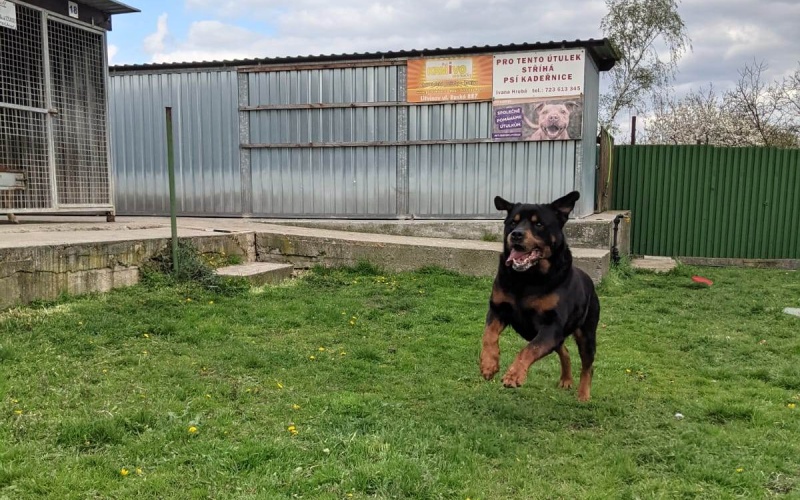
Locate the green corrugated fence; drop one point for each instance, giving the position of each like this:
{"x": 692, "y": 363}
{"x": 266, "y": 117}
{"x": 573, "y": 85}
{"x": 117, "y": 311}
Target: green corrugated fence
{"x": 705, "y": 201}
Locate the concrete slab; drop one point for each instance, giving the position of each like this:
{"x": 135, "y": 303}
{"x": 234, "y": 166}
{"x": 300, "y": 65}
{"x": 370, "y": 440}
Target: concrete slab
{"x": 259, "y": 273}
{"x": 595, "y": 231}
{"x": 305, "y": 247}
{"x": 44, "y": 257}
{"x": 655, "y": 264}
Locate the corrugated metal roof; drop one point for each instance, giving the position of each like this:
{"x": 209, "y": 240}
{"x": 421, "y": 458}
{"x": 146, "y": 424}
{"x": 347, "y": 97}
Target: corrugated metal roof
{"x": 602, "y": 51}
{"x": 110, "y": 7}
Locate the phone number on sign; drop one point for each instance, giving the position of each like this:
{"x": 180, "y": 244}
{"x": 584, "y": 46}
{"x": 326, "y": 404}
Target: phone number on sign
{"x": 574, "y": 88}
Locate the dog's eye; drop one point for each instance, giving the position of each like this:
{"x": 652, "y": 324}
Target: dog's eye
{"x": 538, "y": 225}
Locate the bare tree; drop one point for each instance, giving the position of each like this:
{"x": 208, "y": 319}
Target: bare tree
{"x": 760, "y": 104}
{"x": 637, "y": 28}
{"x": 753, "y": 113}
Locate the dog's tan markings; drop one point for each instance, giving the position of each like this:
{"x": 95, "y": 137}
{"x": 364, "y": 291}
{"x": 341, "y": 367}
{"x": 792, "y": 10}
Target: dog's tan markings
{"x": 490, "y": 351}
{"x": 566, "y": 368}
{"x": 544, "y": 266}
{"x": 535, "y": 219}
{"x": 543, "y": 303}
{"x": 516, "y": 218}
{"x": 518, "y": 371}
{"x": 553, "y": 239}
{"x": 585, "y": 384}
{"x": 499, "y": 296}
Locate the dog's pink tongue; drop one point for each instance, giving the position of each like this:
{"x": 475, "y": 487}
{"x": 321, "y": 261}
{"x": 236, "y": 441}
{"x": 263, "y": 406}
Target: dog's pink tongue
{"x": 515, "y": 255}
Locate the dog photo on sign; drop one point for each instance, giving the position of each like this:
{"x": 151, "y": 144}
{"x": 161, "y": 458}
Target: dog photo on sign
{"x": 553, "y": 119}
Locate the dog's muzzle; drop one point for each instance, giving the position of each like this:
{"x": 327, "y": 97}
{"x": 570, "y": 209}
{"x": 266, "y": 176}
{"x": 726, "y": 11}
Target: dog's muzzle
{"x": 521, "y": 261}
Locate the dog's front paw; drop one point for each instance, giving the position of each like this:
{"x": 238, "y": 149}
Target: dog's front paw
{"x": 565, "y": 383}
{"x": 490, "y": 365}
{"x": 515, "y": 376}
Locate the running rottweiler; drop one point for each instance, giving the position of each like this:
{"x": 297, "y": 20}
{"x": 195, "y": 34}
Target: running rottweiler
{"x": 541, "y": 295}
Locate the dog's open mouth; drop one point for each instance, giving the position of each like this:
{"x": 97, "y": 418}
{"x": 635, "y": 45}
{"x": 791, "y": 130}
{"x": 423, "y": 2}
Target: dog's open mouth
{"x": 553, "y": 129}
{"x": 520, "y": 260}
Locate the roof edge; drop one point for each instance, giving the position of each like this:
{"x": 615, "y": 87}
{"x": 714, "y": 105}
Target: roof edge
{"x": 602, "y": 51}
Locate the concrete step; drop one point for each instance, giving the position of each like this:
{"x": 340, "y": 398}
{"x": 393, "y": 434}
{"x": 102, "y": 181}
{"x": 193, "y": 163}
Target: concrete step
{"x": 594, "y": 231}
{"x": 259, "y": 273}
{"x": 306, "y": 247}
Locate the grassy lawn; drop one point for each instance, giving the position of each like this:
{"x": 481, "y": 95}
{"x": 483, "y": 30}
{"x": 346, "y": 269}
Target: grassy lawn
{"x": 356, "y": 384}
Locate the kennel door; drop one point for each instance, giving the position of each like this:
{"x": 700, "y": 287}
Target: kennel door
{"x": 78, "y": 85}
{"x": 24, "y": 150}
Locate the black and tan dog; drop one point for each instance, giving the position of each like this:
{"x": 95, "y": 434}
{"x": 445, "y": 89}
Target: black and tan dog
{"x": 539, "y": 293}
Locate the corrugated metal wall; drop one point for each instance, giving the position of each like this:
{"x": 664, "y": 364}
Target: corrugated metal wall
{"x": 704, "y": 201}
{"x": 295, "y": 169}
{"x": 327, "y": 142}
{"x": 205, "y": 114}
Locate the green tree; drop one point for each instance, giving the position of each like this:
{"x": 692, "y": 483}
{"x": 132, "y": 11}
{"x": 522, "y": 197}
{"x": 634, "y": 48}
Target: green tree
{"x": 651, "y": 37}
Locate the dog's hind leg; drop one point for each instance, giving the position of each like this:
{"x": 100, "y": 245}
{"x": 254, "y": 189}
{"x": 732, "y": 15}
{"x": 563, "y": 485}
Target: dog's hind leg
{"x": 586, "y": 347}
{"x": 566, "y": 368}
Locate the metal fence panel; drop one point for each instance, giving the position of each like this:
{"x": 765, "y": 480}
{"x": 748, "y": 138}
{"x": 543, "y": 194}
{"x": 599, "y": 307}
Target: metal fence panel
{"x": 205, "y": 113}
{"x": 325, "y": 182}
{"x": 461, "y": 180}
{"x": 704, "y": 201}
{"x": 315, "y": 181}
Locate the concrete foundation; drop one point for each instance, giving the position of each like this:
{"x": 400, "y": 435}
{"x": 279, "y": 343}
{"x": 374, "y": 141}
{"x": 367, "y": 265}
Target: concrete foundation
{"x": 74, "y": 256}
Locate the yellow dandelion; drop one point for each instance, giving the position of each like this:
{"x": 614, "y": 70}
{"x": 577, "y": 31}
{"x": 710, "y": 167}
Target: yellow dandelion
{"x": 342, "y": 353}
{"x": 146, "y": 335}
{"x": 321, "y": 349}
{"x": 105, "y": 371}
{"x": 124, "y": 472}
{"x": 139, "y": 471}
{"x": 295, "y": 407}
{"x": 192, "y": 430}
{"x": 15, "y": 401}
{"x": 352, "y": 322}
{"x": 792, "y": 406}
{"x": 211, "y": 302}
{"x": 208, "y": 395}
{"x": 739, "y": 470}
{"x": 628, "y": 370}
{"x": 188, "y": 299}
{"x": 312, "y": 358}
{"x": 280, "y": 386}
{"x": 144, "y": 352}
{"x": 17, "y": 412}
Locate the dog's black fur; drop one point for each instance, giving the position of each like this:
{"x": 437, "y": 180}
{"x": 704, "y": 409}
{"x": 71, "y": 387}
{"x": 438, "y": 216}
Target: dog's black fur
{"x": 539, "y": 293}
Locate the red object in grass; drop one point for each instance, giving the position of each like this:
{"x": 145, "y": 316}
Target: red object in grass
{"x": 700, "y": 279}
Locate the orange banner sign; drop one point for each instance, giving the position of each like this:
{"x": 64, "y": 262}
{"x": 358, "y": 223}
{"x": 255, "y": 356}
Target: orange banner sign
{"x": 464, "y": 78}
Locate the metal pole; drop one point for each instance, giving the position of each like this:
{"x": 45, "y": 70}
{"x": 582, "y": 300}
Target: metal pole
{"x": 171, "y": 172}
{"x": 633, "y": 131}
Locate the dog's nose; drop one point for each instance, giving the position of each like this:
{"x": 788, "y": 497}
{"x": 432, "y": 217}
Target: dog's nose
{"x": 517, "y": 235}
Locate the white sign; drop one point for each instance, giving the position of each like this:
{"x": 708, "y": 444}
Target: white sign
{"x": 72, "y": 7}
{"x": 547, "y": 73}
{"x": 8, "y": 15}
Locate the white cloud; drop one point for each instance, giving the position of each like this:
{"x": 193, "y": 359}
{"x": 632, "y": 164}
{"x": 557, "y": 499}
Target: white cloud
{"x": 112, "y": 51}
{"x": 156, "y": 42}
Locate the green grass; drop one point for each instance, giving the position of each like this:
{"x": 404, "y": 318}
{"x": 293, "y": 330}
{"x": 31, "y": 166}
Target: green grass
{"x": 394, "y": 407}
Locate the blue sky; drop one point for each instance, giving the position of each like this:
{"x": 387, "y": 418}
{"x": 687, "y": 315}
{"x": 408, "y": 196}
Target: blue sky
{"x": 726, "y": 34}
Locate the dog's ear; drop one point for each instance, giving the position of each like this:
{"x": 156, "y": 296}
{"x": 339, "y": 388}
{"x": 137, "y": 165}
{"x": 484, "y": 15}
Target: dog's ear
{"x": 538, "y": 107}
{"x": 564, "y": 205}
{"x": 501, "y": 204}
{"x": 571, "y": 106}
